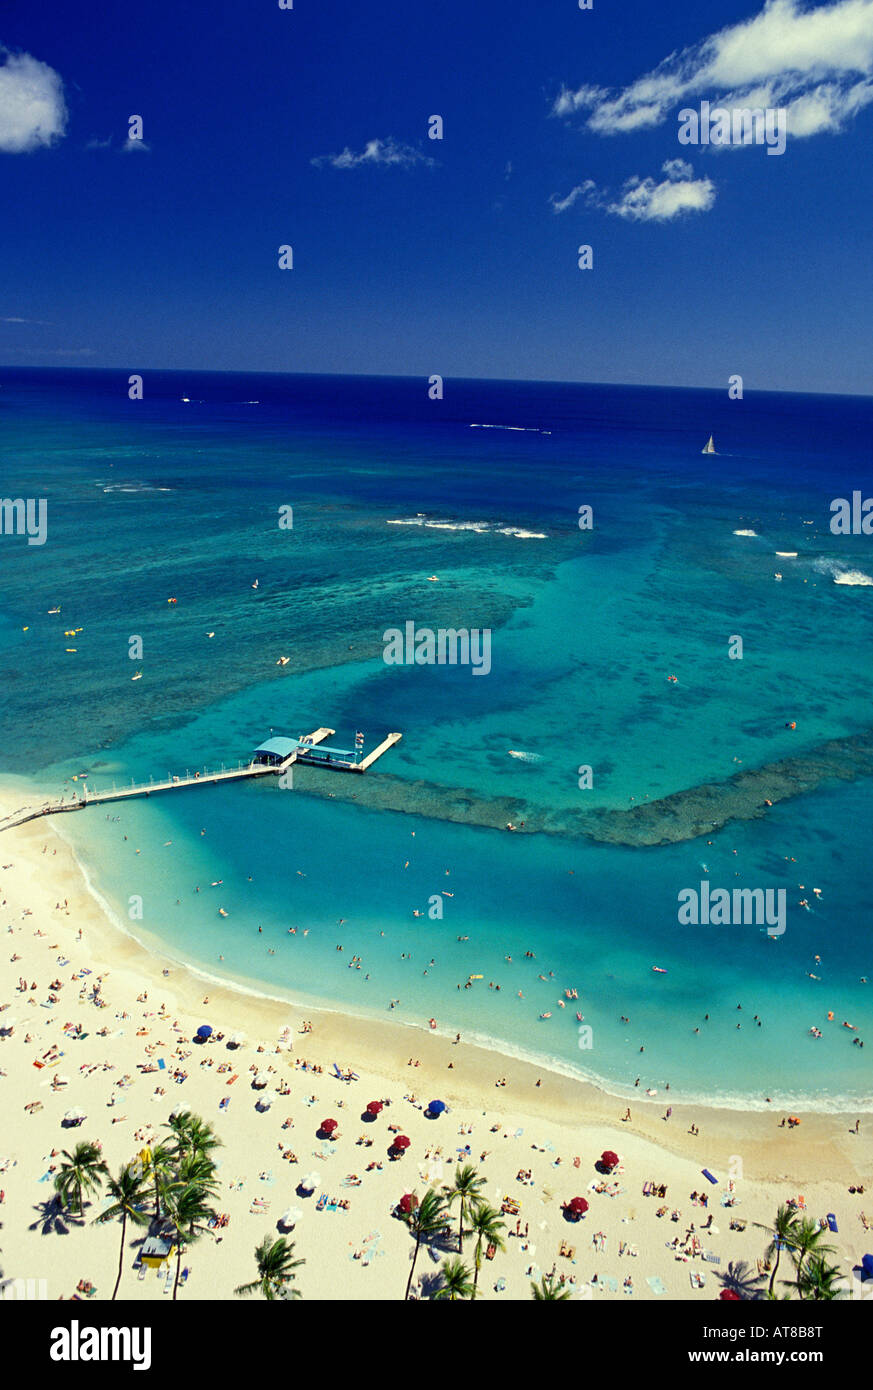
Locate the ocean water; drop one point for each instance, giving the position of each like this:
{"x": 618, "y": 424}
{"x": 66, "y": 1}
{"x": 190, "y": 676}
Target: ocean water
{"x": 166, "y": 498}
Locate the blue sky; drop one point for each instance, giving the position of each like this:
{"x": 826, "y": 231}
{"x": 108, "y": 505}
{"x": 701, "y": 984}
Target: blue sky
{"x": 309, "y": 127}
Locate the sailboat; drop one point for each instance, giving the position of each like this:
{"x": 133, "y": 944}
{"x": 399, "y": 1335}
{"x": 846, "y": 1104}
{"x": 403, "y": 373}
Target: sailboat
{"x": 709, "y": 447}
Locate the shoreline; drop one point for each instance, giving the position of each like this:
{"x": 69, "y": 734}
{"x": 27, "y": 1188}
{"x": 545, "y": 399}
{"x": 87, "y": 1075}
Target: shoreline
{"x": 535, "y": 1135}
{"x": 380, "y": 1042}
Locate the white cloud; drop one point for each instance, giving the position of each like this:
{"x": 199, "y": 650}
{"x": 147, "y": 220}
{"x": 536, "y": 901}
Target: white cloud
{"x": 32, "y": 109}
{"x": 375, "y": 152}
{"x": 567, "y": 102}
{"x": 817, "y": 63}
{"x": 561, "y": 204}
{"x": 645, "y": 200}
{"x": 96, "y": 144}
{"x": 43, "y": 323}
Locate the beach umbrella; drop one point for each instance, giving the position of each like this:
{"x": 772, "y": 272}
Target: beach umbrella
{"x": 401, "y": 1142}
{"x": 262, "y": 1079}
{"x": 408, "y": 1202}
{"x": 266, "y": 1099}
{"x": 236, "y": 1039}
{"x": 729, "y": 1296}
{"x": 374, "y": 1107}
{"x": 75, "y": 1115}
{"x": 290, "y": 1217}
{"x": 867, "y": 1266}
{"x": 328, "y": 1126}
{"x": 609, "y": 1159}
{"x": 204, "y": 1031}
{"x": 179, "y": 1110}
{"x": 310, "y": 1182}
{"x": 436, "y": 1107}
{"x": 578, "y": 1206}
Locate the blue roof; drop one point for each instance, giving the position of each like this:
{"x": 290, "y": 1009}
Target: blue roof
{"x": 281, "y": 747}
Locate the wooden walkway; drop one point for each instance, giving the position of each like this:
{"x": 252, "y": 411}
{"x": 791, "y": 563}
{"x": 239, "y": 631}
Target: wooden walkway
{"x": 192, "y": 779}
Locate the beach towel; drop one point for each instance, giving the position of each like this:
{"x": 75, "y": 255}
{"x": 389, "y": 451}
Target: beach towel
{"x": 832, "y": 1222}
{"x": 710, "y": 1258}
{"x": 162, "y": 1064}
{"x": 656, "y": 1285}
{"x": 708, "y": 1175}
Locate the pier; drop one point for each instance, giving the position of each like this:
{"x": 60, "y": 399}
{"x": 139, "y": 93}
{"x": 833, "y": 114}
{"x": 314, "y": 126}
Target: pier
{"x": 274, "y": 758}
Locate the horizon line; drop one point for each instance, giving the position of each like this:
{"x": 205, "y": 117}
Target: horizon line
{"x": 417, "y": 376}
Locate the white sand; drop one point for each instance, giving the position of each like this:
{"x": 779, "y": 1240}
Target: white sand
{"x": 538, "y": 1125}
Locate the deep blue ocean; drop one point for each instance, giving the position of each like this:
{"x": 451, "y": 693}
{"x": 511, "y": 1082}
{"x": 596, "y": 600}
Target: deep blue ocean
{"x": 463, "y": 513}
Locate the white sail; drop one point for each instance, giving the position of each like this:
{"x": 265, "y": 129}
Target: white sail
{"x": 709, "y": 447}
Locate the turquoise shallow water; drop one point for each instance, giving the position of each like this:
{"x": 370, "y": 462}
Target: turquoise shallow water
{"x": 586, "y": 629}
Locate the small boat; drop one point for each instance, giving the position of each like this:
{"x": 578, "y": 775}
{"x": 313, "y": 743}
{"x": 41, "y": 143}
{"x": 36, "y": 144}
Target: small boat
{"x": 433, "y": 579}
{"x": 54, "y": 610}
{"x": 709, "y": 447}
{"x": 283, "y": 661}
{"x": 221, "y": 912}
{"x": 137, "y": 677}
{"x": 658, "y": 970}
{"x": 210, "y": 634}
{"x": 255, "y": 585}
{"x": 777, "y": 576}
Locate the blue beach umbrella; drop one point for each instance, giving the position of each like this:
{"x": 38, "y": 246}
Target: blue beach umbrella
{"x": 204, "y": 1031}
{"x": 867, "y": 1266}
{"x": 436, "y": 1107}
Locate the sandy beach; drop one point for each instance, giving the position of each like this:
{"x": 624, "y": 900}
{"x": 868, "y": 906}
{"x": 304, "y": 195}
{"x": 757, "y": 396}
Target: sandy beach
{"x": 98, "y": 1015}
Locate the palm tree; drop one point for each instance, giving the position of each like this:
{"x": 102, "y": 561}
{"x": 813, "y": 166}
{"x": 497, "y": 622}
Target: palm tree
{"x": 198, "y": 1169}
{"x": 158, "y": 1164}
{"x": 424, "y": 1220}
{"x": 191, "y": 1134}
{"x": 807, "y": 1239}
{"x": 188, "y": 1210}
{"x": 457, "y": 1281}
{"x": 819, "y": 1280}
{"x": 781, "y": 1235}
{"x": 486, "y": 1226}
{"x": 548, "y": 1290}
{"x": 465, "y": 1190}
{"x": 83, "y": 1171}
{"x": 127, "y": 1192}
{"x": 276, "y": 1265}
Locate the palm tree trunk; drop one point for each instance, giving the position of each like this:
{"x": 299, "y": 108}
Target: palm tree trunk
{"x": 773, "y": 1275}
{"x": 476, "y": 1264}
{"x": 120, "y": 1255}
{"x": 461, "y": 1230}
{"x": 178, "y": 1265}
{"x": 412, "y": 1270}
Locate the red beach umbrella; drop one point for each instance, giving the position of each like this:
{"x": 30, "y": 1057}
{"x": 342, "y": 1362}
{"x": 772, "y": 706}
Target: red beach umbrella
{"x": 609, "y": 1159}
{"x": 374, "y": 1107}
{"x": 328, "y": 1126}
{"x": 729, "y": 1296}
{"x": 408, "y": 1202}
{"x": 578, "y": 1206}
{"x": 401, "y": 1141}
